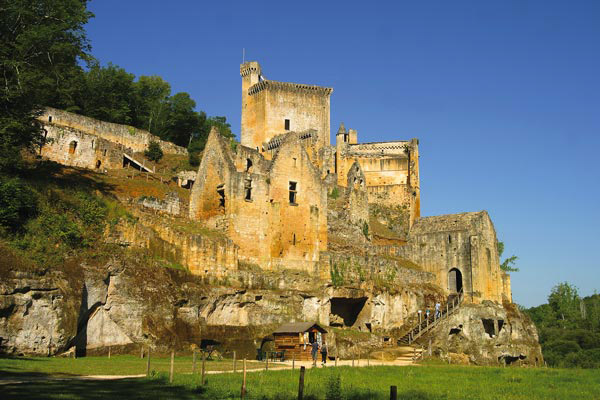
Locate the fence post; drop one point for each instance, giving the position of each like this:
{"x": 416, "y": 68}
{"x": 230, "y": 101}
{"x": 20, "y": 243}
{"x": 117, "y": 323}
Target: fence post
{"x": 267, "y": 363}
{"x": 148, "y": 363}
{"x": 244, "y": 380}
{"x": 234, "y": 362}
{"x": 172, "y": 365}
{"x": 336, "y": 357}
{"x": 353, "y": 357}
{"x": 358, "y": 361}
{"x": 203, "y": 366}
{"x": 142, "y": 351}
{"x": 194, "y": 361}
{"x": 301, "y": 384}
{"x": 108, "y": 351}
{"x": 293, "y": 361}
{"x": 393, "y": 393}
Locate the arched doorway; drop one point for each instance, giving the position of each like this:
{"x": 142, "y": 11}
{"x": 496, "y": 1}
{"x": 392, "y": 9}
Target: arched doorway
{"x": 454, "y": 280}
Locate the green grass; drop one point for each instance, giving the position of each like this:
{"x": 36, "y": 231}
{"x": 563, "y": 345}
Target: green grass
{"x": 420, "y": 383}
{"x": 116, "y": 365}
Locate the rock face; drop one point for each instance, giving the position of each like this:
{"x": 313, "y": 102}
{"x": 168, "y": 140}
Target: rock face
{"x": 124, "y": 304}
{"x": 488, "y": 334}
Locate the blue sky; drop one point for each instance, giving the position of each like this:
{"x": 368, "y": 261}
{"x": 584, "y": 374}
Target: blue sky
{"x": 504, "y": 97}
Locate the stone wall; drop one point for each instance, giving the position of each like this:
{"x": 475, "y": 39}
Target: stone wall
{"x": 128, "y": 136}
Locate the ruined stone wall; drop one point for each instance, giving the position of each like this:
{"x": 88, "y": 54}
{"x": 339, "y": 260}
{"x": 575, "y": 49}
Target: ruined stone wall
{"x": 391, "y": 169}
{"x": 72, "y": 147}
{"x": 202, "y": 255}
{"x": 257, "y": 213}
{"x": 128, "y": 136}
{"x": 466, "y": 242}
{"x": 267, "y": 104}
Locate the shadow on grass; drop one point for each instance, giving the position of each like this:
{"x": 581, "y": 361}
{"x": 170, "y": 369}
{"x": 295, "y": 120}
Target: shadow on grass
{"x": 98, "y": 389}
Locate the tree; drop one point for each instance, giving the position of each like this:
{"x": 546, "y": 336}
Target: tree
{"x": 108, "y": 94}
{"x": 150, "y": 104}
{"x": 508, "y": 264}
{"x": 41, "y": 42}
{"x": 154, "y": 152}
{"x": 564, "y": 301}
{"x": 183, "y": 122}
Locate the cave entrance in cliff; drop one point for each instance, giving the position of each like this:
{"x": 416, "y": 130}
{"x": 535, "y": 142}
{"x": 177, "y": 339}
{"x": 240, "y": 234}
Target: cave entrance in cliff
{"x": 345, "y": 310}
{"x": 455, "y": 283}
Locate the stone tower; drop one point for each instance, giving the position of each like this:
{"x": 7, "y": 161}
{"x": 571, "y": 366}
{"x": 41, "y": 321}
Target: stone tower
{"x": 271, "y": 108}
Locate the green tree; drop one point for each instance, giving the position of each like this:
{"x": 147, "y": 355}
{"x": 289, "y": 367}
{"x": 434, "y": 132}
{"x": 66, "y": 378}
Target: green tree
{"x": 18, "y": 203}
{"x": 183, "y": 122}
{"x": 508, "y": 264}
{"x": 154, "y": 152}
{"x": 150, "y": 104}
{"x": 41, "y": 42}
{"x": 564, "y": 301}
{"x": 108, "y": 94}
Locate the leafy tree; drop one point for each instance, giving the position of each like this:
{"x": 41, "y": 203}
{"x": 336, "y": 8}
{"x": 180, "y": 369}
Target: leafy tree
{"x": 508, "y": 264}
{"x": 222, "y": 126}
{"x": 17, "y": 203}
{"x": 108, "y": 93}
{"x": 564, "y": 301}
{"x": 154, "y": 152}
{"x": 150, "y": 103}
{"x": 41, "y": 42}
{"x": 183, "y": 122}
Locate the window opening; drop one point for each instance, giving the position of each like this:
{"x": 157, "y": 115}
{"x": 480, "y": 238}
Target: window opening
{"x": 49, "y": 118}
{"x": 294, "y": 162}
{"x": 248, "y": 189}
{"x": 92, "y": 144}
{"x": 72, "y": 147}
{"x": 105, "y": 152}
{"x": 449, "y": 239}
{"x": 98, "y": 163}
{"x": 221, "y": 193}
{"x": 287, "y": 124}
{"x": 293, "y": 192}
{"x": 248, "y": 164}
{"x": 346, "y": 137}
{"x": 294, "y": 240}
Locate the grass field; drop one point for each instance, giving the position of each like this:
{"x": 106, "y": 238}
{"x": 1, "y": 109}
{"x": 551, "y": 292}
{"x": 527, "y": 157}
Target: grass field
{"x": 116, "y": 365}
{"x": 420, "y": 382}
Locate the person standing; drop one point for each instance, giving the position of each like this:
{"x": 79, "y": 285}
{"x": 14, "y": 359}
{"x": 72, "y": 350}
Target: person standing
{"x": 314, "y": 350}
{"x": 437, "y": 310}
{"x": 323, "y": 353}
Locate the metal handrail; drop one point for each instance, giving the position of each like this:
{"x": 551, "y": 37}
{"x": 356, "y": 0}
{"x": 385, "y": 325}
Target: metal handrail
{"x": 425, "y": 325}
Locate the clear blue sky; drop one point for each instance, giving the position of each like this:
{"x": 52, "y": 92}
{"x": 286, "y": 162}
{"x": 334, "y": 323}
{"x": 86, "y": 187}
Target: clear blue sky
{"x": 504, "y": 97}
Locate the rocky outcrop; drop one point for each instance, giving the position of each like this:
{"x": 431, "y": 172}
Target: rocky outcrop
{"x": 487, "y": 334}
{"x": 126, "y": 304}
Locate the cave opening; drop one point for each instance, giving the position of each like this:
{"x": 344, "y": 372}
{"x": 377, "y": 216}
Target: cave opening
{"x": 488, "y": 325}
{"x": 347, "y": 309}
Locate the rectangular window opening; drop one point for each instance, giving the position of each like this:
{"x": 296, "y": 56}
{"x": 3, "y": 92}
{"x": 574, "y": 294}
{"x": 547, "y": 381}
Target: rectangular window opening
{"x": 293, "y": 192}
{"x": 248, "y": 189}
{"x": 287, "y": 124}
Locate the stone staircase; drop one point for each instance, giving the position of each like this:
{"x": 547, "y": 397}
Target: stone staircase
{"x": 427, "y": 324}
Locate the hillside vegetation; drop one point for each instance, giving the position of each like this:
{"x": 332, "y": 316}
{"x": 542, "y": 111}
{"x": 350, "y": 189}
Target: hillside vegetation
{"x": 569, "y": 328}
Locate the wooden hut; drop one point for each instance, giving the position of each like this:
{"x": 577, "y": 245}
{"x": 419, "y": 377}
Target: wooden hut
{"x": 294, "y": 339}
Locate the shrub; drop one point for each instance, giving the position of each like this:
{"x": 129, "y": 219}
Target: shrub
{"x": 18, "y": 203}
{"x": 335, "y": 193}
{"x": 194, "y": 159}
{"x": 154, "y": 152}
{"x": 334, "y": 388}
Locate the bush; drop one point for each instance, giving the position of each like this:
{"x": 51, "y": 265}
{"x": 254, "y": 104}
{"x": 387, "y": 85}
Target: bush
{"x": 154, "y": 152}
{"x": 194, "y": 159}
{"x": 18, "y": 203}
{"x": 334, "y": 388}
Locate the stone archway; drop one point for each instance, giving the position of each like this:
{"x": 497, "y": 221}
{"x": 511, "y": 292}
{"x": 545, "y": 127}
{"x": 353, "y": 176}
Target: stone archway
{"x": 455, "y": 282}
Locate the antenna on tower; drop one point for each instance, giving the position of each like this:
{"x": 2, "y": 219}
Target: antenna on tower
{"x": 243, "y": 55}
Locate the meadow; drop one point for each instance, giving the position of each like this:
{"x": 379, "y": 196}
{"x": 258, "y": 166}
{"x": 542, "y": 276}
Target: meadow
{"x": 425, "y": 382}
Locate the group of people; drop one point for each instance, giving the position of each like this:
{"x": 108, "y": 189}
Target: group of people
{"x": 438, "y": 311}
{"x": 314, "y": 351}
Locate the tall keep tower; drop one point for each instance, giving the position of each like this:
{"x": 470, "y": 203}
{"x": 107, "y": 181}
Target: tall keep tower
{"x": 271, "y": 108}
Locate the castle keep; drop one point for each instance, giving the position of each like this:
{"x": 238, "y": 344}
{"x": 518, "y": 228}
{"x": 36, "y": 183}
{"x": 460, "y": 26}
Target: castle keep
{"x": 270, "y": 194}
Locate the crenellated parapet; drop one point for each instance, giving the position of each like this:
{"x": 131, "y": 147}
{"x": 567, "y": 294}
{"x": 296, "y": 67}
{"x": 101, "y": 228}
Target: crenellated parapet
{"x": 289, "y": 86}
